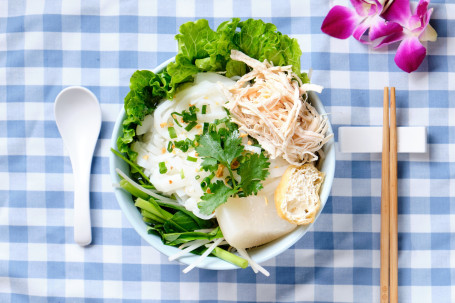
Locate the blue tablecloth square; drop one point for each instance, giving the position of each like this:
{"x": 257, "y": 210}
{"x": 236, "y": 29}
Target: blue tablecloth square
{"x": 93, "y": 271}
{"x": 90, "y": 23}
{"x": 52, "y": 23}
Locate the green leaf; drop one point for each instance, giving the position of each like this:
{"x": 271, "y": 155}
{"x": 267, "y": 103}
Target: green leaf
{"x": 182, "y": 70}
{"x": 147, "y": 89}
{"x": 201, "y": 223}
{"x": 232, "y": 148}
{"x": 183, "y": 237}
{"x": 191, "y": 46}
{"x": 209, "y": 164}
{"x": 262, "y": 41}
{"x": 180, "y": 222}
{"x": 235, "y": 68}
{"x": 201, "y": 49}
{"x": 253, "y": 169}
{"x": 193, "y": 37}
{"x": 222, "y": 149}
{"x": 219, "y": 49}
{"x": 210, "y": 146}
{"x": 219, "y": 195}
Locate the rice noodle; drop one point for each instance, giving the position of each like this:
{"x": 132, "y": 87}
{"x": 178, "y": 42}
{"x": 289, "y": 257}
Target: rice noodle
{"x": 182, "y": 178}
{"x": 145, "y": 190}
{"x": 254, "y": 149}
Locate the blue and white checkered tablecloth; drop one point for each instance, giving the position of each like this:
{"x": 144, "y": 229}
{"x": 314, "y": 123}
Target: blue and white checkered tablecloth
{"x": 48, "y": 45}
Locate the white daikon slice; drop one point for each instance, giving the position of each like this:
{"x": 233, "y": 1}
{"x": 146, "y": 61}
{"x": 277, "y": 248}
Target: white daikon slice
{"x": 251, "y": 221}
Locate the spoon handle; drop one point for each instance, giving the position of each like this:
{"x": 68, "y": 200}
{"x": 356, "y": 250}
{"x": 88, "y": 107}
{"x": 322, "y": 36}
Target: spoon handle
{"x": 82, "y": 224}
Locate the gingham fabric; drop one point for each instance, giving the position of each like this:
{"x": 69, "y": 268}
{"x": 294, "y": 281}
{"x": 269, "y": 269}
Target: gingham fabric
{"x": 48, "y": 45}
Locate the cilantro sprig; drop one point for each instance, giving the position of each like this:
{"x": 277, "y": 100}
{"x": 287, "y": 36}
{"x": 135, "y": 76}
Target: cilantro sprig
{"x": 223, "y": 146}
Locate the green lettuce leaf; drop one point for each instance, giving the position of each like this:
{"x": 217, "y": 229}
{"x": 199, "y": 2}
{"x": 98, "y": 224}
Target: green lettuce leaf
{"x": 235, "y": 68}
{"x": 201, "y": 49}
{"x": 193, "y": 38}
{"x": 147, "y": 89}
{"x": 262, "y": 41}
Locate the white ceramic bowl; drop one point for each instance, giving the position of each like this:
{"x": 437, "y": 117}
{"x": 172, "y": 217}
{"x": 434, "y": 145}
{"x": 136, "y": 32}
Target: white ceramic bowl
{"x": 259, "y": 254}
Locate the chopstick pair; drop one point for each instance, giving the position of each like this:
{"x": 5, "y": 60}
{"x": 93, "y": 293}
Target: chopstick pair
{"x": 389, "y": 201}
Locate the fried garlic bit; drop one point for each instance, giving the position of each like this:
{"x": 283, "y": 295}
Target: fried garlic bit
{"x": 270, "y": 104}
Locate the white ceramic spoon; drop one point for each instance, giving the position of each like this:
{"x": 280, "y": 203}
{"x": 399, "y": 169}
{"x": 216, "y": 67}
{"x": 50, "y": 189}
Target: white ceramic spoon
{"x": 78, "y": 116}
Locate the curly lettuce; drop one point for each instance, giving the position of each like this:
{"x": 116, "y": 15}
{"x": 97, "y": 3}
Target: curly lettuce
{"x": 147, "y": 89}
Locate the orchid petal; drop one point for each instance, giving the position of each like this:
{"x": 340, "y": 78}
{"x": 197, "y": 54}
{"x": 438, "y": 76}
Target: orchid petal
{"x": 360, "y": 30}
{"x": 340, "y": 22}
{"x": 399, "y": 11}
{"x": 422, "y": 7}
{"x": 426, "y": 21}
{"x": 410, "y": 54}
{"x": 361, "y": 7}
{"x": 414, "y": 23}
{"x": 375, "y": 9}
{"x": 429, "y": 34}
{"x": 391, "y": 39}
{"x": 386, "y": 4}
{"x": 381, "y": 28}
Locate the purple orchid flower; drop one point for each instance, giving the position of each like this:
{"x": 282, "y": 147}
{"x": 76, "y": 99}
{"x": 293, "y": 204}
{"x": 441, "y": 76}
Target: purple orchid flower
{"x": 410, "y": 52}
{"x": 342, "y": 22}
{"x": 387, "y": 21}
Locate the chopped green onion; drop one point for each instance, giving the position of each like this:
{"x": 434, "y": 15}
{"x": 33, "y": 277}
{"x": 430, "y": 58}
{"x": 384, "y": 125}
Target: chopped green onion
{"x": 197, "y": 177}
{"x": 190, "y": 126}
{"x": 227, "y": 111}
{"x": 192, "y": 159}
{"x": 175, "y": 120}
{"x": 206, "y": 127}
{"x": 170, "y": 147}
{"x": 204, "y": 109}
{"x": 191, "y": 115}
{"x": 163, "y": 168}
{"x": 183, "y": 145}
{"x": 212, "y": 127}
{"x": 172, "y": 132}
{"x": 182, "y": 174}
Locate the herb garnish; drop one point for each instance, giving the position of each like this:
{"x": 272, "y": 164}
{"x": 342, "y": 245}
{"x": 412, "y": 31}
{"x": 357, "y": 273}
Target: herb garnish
{"x": 188, "y": 116}
{"x": 223, "y": 145}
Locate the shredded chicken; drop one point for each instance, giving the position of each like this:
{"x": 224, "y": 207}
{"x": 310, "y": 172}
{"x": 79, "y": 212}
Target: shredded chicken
{"x": 270, "y": 104}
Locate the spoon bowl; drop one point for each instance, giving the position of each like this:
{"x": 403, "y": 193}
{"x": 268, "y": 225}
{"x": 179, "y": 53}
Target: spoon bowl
{"x": 78, "y": 117}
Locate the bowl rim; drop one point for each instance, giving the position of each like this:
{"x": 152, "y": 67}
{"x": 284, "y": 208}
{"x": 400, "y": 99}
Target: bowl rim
{"x": 260, "y": 254}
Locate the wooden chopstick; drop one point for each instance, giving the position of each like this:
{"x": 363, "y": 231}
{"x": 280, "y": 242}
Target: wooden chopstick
{"x": 389, "y": 202}
{"x": 385, "y": 195}
{"x": 393, "y": 201}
